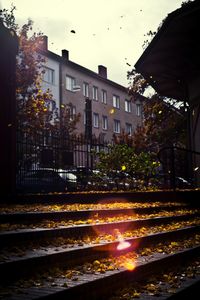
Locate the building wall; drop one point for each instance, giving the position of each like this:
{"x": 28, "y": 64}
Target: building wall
{"x": 61, "y": 67}
{"x": 52, "y": 82}
{"x": 81, "y": 76}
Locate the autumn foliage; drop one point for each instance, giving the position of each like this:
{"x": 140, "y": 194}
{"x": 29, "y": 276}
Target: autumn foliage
{"x": 36, "y": 108}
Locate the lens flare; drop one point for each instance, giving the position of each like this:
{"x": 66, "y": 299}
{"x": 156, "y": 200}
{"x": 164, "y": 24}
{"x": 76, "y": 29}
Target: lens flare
{"x": 122, "y": 243}
{"x": 106, "y": 208}
{"x": 129, "y": 265}
{"x": 127, "y": 261}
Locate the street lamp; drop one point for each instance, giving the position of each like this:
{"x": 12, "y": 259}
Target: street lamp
{"x": 88, "y": 114}
{"x": 88, "y": 125}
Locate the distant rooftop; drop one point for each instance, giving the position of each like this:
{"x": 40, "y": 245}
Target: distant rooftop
{"x": 102, "y": 70}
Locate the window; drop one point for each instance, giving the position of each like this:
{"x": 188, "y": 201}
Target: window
{"x": 49, "y": 75}
{"x": 128, "y": 128}
{"x": 138, "y": 110}
{"x": 127, "y": 105}
{"x": 105, "y": 122}
{"x": 95, "y": 93}
{"x": 72, "y": 112}
{"x": 116, "y": 101}
{"x": 104, "y": 96}
{"x": 85, "y": 89}
{"x": 96, "y": 120}
{"x": 70, "y": 83}
{"x": 116, "y": 126}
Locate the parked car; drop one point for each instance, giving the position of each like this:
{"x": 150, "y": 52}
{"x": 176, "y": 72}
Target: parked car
{"x": 99, "y": 181}
{"x": 70, "y": 177}
{"x": 165, "y": 182}
{"x": 124, "y": 181}
{"x": 111, "y": 181}
{"x": 43, "y": 180}
{"x": 182, "y": 183}
{"x": 82, "y": 176}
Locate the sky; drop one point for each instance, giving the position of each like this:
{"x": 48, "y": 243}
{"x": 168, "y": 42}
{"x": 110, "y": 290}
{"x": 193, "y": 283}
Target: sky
{"x": 96, "y": 32}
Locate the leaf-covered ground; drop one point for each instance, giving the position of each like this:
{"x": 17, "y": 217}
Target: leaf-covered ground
{"x": 96, "y": 219}
{"x": 166, "y": 283}
{"x": 65, "y": 277}
{"x": 10, "y": 252}
{"x": 81, "y": 206}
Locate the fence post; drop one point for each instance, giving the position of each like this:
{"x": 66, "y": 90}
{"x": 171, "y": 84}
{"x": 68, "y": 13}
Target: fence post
{"x": 173, "y": 176}
{"x": 8, "y": 52}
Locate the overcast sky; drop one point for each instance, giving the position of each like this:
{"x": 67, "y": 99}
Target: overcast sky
{"x": 107, "y": 32}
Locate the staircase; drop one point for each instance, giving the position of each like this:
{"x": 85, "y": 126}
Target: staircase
{"x": 100, "y": 246}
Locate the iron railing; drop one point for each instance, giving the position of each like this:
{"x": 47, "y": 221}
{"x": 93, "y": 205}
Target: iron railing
{"x": 180, "y": 165}
{"x": 42, "y": 150}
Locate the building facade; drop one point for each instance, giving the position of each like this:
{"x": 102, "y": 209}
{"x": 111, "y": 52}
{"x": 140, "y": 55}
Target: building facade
{"x": 51, "y": 75}
{"x": 112, "y": 111}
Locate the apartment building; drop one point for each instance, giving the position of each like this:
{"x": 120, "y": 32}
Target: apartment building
{"x": 51, "y": 76}
{"x": 112, "y": 111}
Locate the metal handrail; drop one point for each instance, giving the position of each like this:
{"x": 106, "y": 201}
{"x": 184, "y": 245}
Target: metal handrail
{"x": 172, "y": 171}
{"x": 178, "y": 148}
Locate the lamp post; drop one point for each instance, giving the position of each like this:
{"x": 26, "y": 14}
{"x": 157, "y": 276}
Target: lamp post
{"x": 88, "y": 130}
{"x": 88, "y": 114}
{"x": 88, "y": 127}
{"x": 88, "y": 119}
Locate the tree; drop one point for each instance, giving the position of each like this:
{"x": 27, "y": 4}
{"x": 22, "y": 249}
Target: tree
{"x": 122, "y": 159}
{"x": 164, "y": 119}
{"x": 68, "y": 120}
{"x": 123, "y": 138}
{"x": 36, "y": 109}
{"x": 32, "y": 103}
{"x": 163, "y": 125}
{"x": 41, "y": 133}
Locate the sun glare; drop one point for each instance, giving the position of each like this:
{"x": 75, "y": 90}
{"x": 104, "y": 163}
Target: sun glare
{"x": 129, "y": 265}
{"x": 123, "y": 245}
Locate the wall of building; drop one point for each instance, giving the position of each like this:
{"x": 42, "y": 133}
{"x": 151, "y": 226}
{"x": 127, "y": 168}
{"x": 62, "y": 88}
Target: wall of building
{"x": 81, "y": 76}
{"x": 61, "y": 66}
{"x": 52, "y": 82}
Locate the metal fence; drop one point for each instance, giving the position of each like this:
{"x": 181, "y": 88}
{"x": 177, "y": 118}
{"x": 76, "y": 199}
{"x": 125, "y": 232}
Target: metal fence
{"x": 51, "y": 150}
{"x": 50, "y": 153}
{"x": 181, "y": 167}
